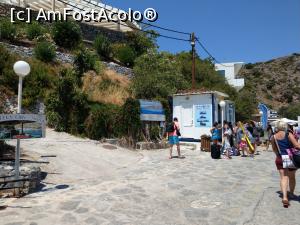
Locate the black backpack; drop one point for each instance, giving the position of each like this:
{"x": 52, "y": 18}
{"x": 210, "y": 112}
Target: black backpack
{"x": 170, "y": 128}
{"x": 215, "y": 151}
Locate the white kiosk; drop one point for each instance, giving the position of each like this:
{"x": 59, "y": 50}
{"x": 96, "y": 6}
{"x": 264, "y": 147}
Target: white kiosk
{"x": 197, "y": 111}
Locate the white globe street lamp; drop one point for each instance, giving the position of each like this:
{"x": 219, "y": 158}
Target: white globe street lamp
{"x": 261, "y": 113}
{"x": 222, "y": 105}
{"x": 22, "y": 69}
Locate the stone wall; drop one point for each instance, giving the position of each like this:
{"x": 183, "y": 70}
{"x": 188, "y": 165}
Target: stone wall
{"x": 66, "y": 58}
{"x": 30, "y": 177}
{"x": 28, "y": 52}
{"x": 151, "y": 145}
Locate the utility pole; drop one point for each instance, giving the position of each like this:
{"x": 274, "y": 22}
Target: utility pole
{"x": 193, "y": 43}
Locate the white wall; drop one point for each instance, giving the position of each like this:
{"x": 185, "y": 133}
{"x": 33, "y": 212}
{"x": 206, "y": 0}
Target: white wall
{"x": 231, "y": 71}
{"x": 184, "y": 109}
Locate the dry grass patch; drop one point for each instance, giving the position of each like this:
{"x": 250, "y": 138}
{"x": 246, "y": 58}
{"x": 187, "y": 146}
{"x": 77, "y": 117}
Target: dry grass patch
{"x": 110, "y": 87}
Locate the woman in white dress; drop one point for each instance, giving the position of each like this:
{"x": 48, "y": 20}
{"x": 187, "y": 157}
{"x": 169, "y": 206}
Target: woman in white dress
{"x": 226, "y": 141}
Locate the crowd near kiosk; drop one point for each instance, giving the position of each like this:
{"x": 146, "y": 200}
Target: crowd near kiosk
{"x": 197, "y": 111}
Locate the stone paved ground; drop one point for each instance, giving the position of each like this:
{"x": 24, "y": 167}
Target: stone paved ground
{"x": 89, "y": 184}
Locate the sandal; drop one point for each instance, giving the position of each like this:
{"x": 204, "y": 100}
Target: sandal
{"x": 285, "y": 203}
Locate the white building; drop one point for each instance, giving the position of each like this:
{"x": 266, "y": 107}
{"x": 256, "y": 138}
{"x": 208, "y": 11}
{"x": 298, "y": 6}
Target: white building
{"x": 230, "y": 72}
{"x": 197, "y": 111}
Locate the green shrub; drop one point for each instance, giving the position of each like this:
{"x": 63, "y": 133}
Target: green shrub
{"x": 8, "y": 30}
{"x": 102, "y": 46}
{"x": 270, "y": 84}
{"x": 4, "y": 57}
{"x": 7, "y": 76}
{"x": 157, "y": 75}
{"x": 42, "y": 79}
{"x": 155, "y": 133}
{"x": 45, "y": 51}
{"x": 292, "y": 111}
{"x": 78, "y": 113}
{"x": 84, "y": 61}
{"x": 249, "y": 66}
{"x": 107, "y": 121}
{"x": 55, "y": 121}
{"x": 288, "y": 95}
{"x": 34, "y": 30}
{"x": 130, "y": 119}
{"x": 66, "y": 106}
{"x": 99, "y": 67}
{"x": 126, "y": 55}
{"x": 141, "y": 42}
{"x": 257, "y": 73}
{"x": 115, "y": 47}
{"x": 67, "y": 34}
{"x": 102, "y": 122}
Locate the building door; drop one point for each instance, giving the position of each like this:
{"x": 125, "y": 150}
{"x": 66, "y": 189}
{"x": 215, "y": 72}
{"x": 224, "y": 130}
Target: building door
{"x": 187, "y": 116}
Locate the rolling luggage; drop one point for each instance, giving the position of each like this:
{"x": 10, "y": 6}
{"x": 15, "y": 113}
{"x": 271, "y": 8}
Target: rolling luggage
{"x": 215, "y": 151}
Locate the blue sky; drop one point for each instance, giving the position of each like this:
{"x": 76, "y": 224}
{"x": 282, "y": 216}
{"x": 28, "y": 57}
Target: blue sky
{"x": 232, "y": 30}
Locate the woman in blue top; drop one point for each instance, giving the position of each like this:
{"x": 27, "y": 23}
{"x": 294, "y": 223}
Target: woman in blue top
{"x": 215, "y": 133}
{"x": 281, "y": 141}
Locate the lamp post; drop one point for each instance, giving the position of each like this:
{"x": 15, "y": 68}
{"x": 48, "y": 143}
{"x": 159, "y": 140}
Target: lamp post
{"x": 193, "y": 44}
{"x": 261, "y": 113}
{"x": 222, "y": 104}
{"x": 22, "y": 69}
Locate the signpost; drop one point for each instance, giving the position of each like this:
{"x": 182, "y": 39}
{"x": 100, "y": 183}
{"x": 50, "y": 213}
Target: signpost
{"x": 12, "y": 125}
{"x": 152, "y": 111}
{"x": 10, "y": 129}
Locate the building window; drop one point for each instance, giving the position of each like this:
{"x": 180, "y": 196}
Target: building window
{"x": 221, "y": 72}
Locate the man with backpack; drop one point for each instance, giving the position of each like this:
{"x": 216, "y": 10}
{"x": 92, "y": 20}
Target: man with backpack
{"x": 173, "y": 131}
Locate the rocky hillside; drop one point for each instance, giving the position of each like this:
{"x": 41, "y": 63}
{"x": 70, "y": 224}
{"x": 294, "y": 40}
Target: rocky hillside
{"x": 276, "y": 82}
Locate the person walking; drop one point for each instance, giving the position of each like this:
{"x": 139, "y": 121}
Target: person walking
{"x": 173, "y": 134}
{"x": 270, "y": 134}
{"x": 231, "y": 138}
{"x": 240, "y": 139}
{"x": 281, "y": 141}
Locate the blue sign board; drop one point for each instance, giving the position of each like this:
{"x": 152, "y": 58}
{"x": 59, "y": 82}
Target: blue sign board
{"x": 203, "y": 115}
{"x": 152, "y": 111}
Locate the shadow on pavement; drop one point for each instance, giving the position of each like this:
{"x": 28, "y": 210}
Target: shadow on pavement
{"x": 293, "y": 198}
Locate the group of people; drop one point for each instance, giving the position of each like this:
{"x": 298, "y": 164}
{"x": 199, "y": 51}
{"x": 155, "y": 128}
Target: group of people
{"x": 240, "y": 139}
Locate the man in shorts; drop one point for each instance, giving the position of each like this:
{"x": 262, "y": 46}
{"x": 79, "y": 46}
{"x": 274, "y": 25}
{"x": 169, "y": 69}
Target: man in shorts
{"x": 173, "y": 138}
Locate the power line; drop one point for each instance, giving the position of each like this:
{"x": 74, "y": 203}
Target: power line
{"x": 166, "y": 29}
{"x": 149, "y": 32}
{"x": 210, "y": 55}
{"x": 134, "y": 28}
